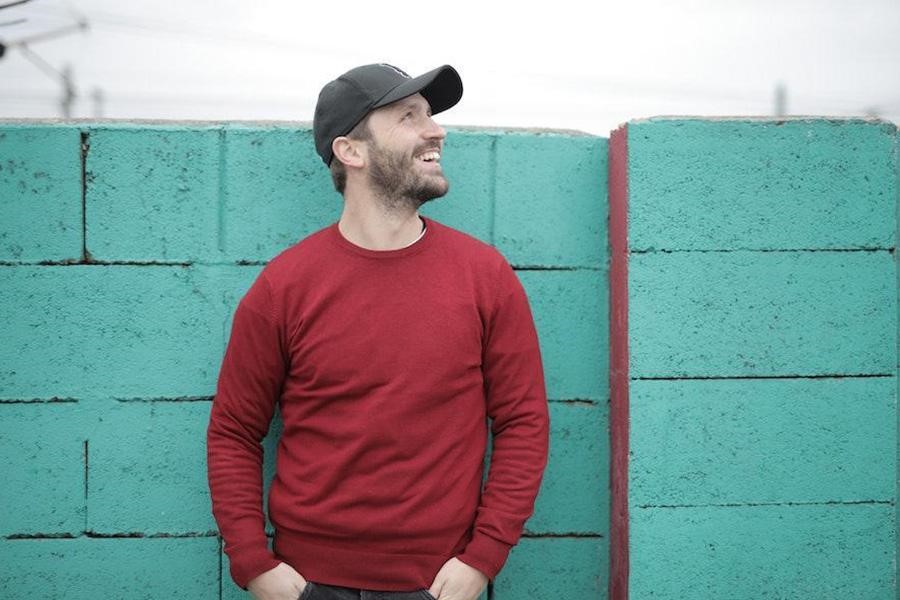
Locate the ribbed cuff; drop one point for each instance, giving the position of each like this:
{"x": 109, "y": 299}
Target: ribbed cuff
{"x": 485, "y": 554}
{"x": 247, "y": 564}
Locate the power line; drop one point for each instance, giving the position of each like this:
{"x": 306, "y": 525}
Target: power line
{"x": 160, "y": 27}
{"x": 156, "y": 27}
{"x": 64, "y": 77}
{"x": 13, "y": 3}
{"x": 651, "y": 92}
{"x": 81, "y": 25}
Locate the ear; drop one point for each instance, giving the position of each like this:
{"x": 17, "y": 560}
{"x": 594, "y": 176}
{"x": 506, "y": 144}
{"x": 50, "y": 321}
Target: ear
{"x": 348, "y": 151}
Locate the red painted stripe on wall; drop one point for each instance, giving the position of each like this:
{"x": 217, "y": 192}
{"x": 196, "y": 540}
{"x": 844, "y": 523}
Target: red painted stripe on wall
{"x": 618, "y": 372}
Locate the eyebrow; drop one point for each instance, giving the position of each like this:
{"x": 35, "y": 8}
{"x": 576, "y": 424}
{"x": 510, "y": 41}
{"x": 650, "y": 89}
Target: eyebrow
{"x": 408, "y": 103}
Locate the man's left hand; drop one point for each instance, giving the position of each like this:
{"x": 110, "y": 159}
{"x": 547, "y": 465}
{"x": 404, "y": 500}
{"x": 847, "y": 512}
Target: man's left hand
{"x": 457, "y": 581}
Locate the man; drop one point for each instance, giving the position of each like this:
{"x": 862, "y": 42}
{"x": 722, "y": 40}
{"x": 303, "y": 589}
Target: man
{"x": 387, "y": 340}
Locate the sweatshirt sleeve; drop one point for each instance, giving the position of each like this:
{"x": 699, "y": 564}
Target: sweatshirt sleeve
{"x": 248, "y": 388}
{"x": 517, "y": 405}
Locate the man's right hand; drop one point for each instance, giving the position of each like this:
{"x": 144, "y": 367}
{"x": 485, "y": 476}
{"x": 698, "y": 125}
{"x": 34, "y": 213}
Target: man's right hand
{"x": 280, "y": 583}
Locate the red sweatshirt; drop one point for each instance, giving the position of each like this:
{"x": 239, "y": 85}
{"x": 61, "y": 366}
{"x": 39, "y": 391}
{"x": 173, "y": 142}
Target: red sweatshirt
{"x": 386, "y": 366}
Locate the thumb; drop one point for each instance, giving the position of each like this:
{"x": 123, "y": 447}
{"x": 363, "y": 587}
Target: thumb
{"x": 436, "y": 586}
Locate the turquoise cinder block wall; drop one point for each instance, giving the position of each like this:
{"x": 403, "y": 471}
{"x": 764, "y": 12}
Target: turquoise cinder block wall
{"x": 124, "y": 248}
{"x": 757, "y": 347}
{"x": 762, "y": 297}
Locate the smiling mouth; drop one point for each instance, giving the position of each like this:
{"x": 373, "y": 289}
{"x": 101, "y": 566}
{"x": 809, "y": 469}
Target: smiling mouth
{"x": 432, "y": 156}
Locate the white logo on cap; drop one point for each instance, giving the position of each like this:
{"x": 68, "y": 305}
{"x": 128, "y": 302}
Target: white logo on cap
{"x": 396, "y": 70}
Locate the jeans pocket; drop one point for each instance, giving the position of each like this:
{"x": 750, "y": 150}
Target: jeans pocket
{"x": 306, "y": 594}
{"x": 427, "y": 595}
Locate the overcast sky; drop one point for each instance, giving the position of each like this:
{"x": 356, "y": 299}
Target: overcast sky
{"x": 563, "y": 64}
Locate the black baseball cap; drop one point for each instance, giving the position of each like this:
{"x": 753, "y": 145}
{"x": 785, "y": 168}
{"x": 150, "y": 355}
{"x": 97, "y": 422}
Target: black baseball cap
{"x": 345, "y": 101}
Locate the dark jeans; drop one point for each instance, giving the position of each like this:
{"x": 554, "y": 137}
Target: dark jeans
{"x": 320, "y": 591}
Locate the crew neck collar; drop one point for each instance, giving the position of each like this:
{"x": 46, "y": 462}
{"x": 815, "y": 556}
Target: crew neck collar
{"x": 419, "y": 245}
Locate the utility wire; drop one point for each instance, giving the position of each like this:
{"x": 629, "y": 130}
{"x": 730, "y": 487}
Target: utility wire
{"x": 160, "y": 27}
{"x": 39, "y": 62}
{"x": 105, "y": 20}
{"x": 592, "y": 87}
{"x": 49, "y": 35}
{"x": 13, "y": 3}
{"x": 64, "y": 77}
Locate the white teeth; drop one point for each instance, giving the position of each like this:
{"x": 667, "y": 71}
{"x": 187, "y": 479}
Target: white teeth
{"x": 429, "y": 156}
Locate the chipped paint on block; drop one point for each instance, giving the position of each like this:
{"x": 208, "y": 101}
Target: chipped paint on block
{"x": 831, "y": 551}
{"x": 570, "y": 313}
{"x": 43, "y": 453}
{"x": 150, "y": 451}
{"x": 698, "y": 184}
{"x": 152, "y": 194}
{"x": 752, "y": 314}
{"x": 573, "y": 496}
{"x": 551, "y": 200}
{"x": 551, "y": 568}
{"x": 89, "y": 568}
{"x": 40, "y": 193}
{"x": 760, "y": 441}
{"x": 118, "y": 330}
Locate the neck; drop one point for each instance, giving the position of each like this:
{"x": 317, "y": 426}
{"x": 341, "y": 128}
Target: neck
{"x": 371, "y": 223}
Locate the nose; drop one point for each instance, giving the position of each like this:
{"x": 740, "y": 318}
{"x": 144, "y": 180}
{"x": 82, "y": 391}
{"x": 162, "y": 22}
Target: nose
{"x": 435, "y": 131}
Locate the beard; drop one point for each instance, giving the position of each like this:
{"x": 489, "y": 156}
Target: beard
{"x": 396, "y": 181}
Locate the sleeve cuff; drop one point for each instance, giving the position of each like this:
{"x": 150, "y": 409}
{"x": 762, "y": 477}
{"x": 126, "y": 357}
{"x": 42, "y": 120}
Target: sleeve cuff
{"x": 245, "y": 565}
{"x": 485, "y": 554}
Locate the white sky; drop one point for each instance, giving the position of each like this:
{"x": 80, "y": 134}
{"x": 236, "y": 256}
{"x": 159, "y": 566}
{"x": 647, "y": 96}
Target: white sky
{"x": 562, "y": 64}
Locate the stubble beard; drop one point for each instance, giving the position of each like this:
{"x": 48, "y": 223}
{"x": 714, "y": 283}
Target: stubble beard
{"x": 398, "y": 185}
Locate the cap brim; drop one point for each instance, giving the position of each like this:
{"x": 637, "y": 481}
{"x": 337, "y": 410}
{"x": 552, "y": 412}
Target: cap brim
{"x": 441, "y": 87}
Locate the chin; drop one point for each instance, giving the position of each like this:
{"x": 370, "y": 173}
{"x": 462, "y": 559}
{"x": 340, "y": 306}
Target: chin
{"x": 435, "y": 192}
{"x": 431, "y": 190}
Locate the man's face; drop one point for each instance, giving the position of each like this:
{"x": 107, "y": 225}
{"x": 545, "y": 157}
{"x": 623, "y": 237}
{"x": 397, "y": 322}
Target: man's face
{"x": 404, "y": 152}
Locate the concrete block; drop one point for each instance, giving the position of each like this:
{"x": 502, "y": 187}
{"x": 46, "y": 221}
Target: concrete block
{"x": 570, "y": 310}
{"x": 468, "y": 163}
{"x": 40, "y": 192}
{"x": 762, "y": 441}
{"x": 762, "y": 313}
{"x": 276, "y": 190}
{"x": 832, "y": 551}
{"x": 88, "y": 568}
{"x": 42, "y": 450}
{"x": 153, "y": 193}
{"x": 121, "y": 331}
{"x": 760, "y": 184}
{"x": 147, "y": 469}
{"x": 552, "y": 568}
{"x": 574, "y": 496}
{"x": 551, "y": 199}
{"x": 232, "y": 283}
